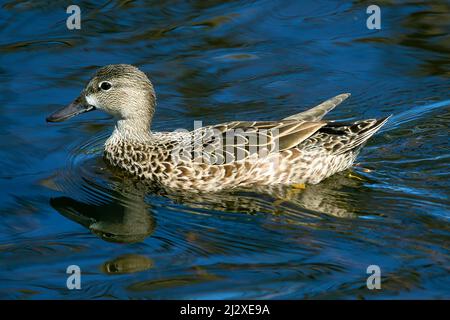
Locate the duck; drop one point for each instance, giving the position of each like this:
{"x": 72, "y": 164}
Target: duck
{"x": 297, "y": 150}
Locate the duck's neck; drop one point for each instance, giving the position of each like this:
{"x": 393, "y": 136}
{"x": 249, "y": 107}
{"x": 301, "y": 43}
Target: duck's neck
{"x": 131, "y": 130}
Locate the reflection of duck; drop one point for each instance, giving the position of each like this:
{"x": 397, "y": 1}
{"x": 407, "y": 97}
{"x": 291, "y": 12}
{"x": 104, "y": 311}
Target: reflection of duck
{"x": 299, "y": 149}
{"x": 124, "y": 220}
{"x": 127, "y": 217}
{"x": 327, "y": 198}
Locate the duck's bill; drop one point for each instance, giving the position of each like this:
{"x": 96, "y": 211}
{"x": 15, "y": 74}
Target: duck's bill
{"x": 73, "y": 109}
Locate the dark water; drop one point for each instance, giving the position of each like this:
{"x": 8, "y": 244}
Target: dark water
{"x": 218, "y": 61}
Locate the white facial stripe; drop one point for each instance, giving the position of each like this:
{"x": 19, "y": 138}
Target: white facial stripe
{"x": 92, "y": 101}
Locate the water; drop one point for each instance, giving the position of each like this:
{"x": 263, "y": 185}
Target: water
{"x": 219, "y": 61}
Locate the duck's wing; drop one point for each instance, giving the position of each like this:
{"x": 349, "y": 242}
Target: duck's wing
{"x": 319, "y": 111}
{"x": 238, "y": 140}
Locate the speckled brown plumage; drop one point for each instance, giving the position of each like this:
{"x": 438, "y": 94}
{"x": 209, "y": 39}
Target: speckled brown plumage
{"x": 330, "y": 149}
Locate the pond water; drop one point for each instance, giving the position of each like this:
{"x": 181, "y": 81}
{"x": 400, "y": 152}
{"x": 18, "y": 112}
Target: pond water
{"x": 219, "y": 61}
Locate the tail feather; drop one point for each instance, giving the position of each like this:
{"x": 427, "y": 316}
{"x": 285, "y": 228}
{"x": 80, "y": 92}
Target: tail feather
{"x": 357, "y": 134}
{"x": 319, "y": 111}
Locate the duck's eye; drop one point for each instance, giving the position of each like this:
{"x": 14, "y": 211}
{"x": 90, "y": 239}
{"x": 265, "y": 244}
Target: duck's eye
{"x": 105, "y": 85}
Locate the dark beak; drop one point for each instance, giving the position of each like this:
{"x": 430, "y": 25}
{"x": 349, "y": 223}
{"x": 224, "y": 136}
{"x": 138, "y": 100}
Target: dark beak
{"x": 78, "y": 106}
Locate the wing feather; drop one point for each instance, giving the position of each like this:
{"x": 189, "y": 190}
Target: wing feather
{"x": 238, "y": 140}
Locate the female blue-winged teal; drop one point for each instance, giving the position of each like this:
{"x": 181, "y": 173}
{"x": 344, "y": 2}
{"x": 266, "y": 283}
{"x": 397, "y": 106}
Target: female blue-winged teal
{"x": 299, "y": 149}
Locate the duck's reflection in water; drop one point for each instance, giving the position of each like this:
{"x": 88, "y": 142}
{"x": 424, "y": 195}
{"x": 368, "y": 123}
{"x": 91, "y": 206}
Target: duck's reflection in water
{"x": 128, "y": 218}
{"x": 327, "y": 198}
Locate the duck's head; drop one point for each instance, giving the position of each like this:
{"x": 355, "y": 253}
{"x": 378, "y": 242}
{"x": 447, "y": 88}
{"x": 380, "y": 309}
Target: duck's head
{"x": 120, "y": 90}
